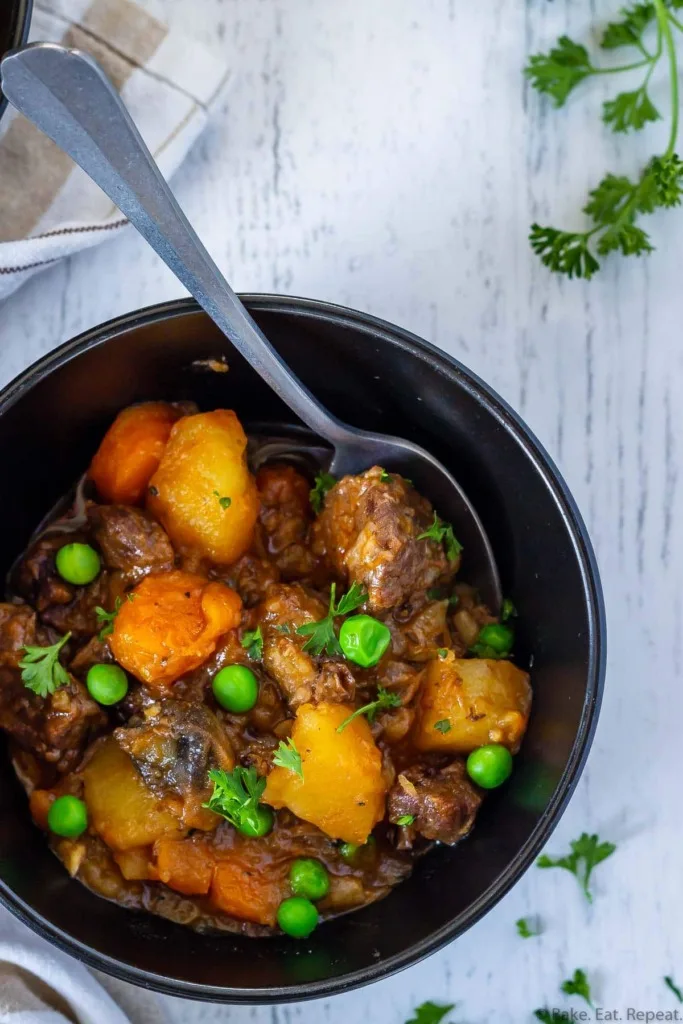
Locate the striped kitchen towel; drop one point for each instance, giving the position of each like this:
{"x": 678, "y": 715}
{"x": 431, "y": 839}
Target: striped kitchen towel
{"x": 49, "y": 208}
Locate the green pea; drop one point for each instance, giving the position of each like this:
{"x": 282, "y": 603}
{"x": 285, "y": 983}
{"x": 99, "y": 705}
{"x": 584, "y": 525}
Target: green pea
{"x": 490, "y": 766}
{"x": 309, "y": 878}
{"x": 498, "y": 637}
{"x": 107, "y": 684}
{"x": 257, "y": 822}
{"x": 77, "y": 563}
{"x": 364, "y": 639}
{"x": 68, "y": 816}
{"x": 235, "y": 688}
{"x": 349, "y": 850}
{"x": 297, "y": 917}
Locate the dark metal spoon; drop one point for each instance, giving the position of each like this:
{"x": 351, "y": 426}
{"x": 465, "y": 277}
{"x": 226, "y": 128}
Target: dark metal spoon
{"x": 66, "y": 94}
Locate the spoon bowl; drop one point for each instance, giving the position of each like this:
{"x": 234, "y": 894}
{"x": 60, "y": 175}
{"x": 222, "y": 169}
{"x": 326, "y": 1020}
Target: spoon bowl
{"x": 66, "y": 94}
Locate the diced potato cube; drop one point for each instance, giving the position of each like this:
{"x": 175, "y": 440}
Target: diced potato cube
{"x": 120, "y": 807}
{"x": 343, "y": 789}
{"x": 473, "y": 701}
{"x": 203, "y": 492}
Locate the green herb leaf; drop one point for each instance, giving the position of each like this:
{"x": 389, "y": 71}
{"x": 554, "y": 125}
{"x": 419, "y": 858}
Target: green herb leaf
{"x": 324, "y": 482}
{"x": 442, "y": 652}
{"x": 431, "y": 1013}
{"x": 578, "y": 986}
{"x": 443, "y": 532}
{"x": 236, "y": 794}
{"x": 586, "y": 853}
{"x": 223, "y": 502}
{"x": 252, "y": 641}
{"x": 507, "y": 610}
{"x": 564, "y": 252}
{"x": 41, "y": 670}
{"x": 669, "y": 982}
{"x": 108, "y": 618}
{"x": 558, "y": 72}
{"x": 630, "y": 111}
{"x": 385, "y": 478}
{"x": 667, "y": 178}
{"x": 527, "y": 928}
{"x": 628, "y": 31}
{"x": 405, "y": 820}
{"x": 284, "y": 628}
{"x": 321, "y": 635}
{"x": 385, "y": 699}
{"x": 443, "y": 725}
{"x": 287, "y": 756}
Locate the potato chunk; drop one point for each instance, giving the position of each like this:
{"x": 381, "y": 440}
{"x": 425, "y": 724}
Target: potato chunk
{"x": 120, "y": 807}
{"x": 171, "y": 625}
{"x": 479, "y": 700}
{"x": 343, "y": 789}
{"x": 203, "y": 492}
{"x": 131, "y": 450}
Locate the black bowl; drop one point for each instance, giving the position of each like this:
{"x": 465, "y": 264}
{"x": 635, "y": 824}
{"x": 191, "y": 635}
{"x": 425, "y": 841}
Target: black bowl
{"x": 381, "y": 378}
{"x": 15, "y": 17}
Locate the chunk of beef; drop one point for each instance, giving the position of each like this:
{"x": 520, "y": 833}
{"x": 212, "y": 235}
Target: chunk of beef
{"x": 251, "y": 576}
{"x": 56, "y": 728}
{"x": 285, "y": 520}
{"x": 174, "y": 747}
{"x": 302, "y": 678}
{"x": 59, "y": 604}
{"x": 130, "y": 541}
{"x": 369, "y": 530}
{"x": 443, "y": 801}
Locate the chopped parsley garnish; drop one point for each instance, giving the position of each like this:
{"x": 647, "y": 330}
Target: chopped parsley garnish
{"x": 283, "y": 628}
{"x": 431, "y": 1013}
{"x": 41, "y": 670}
{"x": 223, "y": 501}
{"x": 441, "y": 532}
{"x": 527, "y": 928}
{"x": 385, "y": 699}
{"x": 405, "y": 820}
{"x": 321, "y": 635}
{"x": 236, "y": 794}
{"x": 324, "y": 482}
{"x": 669, "y": 982}
{"x": 287, "y": 756}
{"x": 252, "y": 641}
{"x": 443, "y": 725}
{"x": 442, "y": 652}
{"x": 507, "y": 610}
{"x": 578, "y": 986}
{"x": 108, "y": 618}
{"x": 586, "y": 853}
{"x": 385, "y": 478}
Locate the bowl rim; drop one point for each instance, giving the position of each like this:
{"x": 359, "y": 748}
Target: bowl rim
{"x": 509, "y": 420}
{"x": 22, "y": 23}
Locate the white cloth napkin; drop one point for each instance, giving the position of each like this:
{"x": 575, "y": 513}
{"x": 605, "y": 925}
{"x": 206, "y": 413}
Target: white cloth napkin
{"x": 49, "y": 208}
{"x": 41, "y": 985}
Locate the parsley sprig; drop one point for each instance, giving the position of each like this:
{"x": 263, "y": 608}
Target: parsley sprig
{"x": 443, "y": 532}
{"x": 578, "y": 986}
{"x": 528, "y": 928}
{"x": 287, "y": 756}
{"x": 385, "y": 699}
{"x": 223, "y": 500}
{"x": 324, "y": 482}
{"x": 41, "y": 670}
{"x": 236, "y": 795}
{"x": 107, "y": 619}
{"x": 586, "y": 853}
{"x": 670, "y": 984}
{"x": 321, "y": 635}
{"x": 617, "y": 202}
{"x": 431, "y": 1013}
{"x": 252, "y": 641}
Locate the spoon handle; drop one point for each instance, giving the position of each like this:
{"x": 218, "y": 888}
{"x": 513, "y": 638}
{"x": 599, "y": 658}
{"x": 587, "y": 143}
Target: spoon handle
{"x": 66, "y": 94}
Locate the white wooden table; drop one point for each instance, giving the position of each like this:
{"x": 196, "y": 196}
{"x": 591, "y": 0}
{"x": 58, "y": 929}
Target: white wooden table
{"x": 388, "y": 156}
